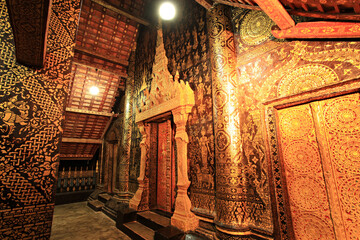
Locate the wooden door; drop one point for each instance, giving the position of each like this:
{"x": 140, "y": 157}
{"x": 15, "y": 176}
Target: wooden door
{"x": 165, "y": 168}
{"x": 320, "y": 153}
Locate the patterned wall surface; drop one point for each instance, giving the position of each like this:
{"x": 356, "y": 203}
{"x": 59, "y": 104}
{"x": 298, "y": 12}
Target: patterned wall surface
{"x": 265, "y": 69}
{"x": 269, "y": 69}
{"x": 187, "y": 48}
{"x": 142, "y": 80}
{"x": 32, "y": 104}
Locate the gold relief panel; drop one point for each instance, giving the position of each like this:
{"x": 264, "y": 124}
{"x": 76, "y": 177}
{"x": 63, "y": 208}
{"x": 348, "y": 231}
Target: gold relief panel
{"x": 319, "y": 165}
{"x": 255, "y": 28}
{"x": 305, "y": 78}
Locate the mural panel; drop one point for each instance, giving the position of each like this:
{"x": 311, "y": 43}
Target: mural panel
{"x": 187, "y": 48}
{"x": 32, "y": 104}
{"x": 269, "y": 69}
{"x": 142, "y": 79}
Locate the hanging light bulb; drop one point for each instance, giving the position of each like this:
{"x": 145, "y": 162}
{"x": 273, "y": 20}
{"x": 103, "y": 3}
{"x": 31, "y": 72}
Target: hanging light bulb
{"x": 94, "y": 90}
{"x": 167, "y": 10}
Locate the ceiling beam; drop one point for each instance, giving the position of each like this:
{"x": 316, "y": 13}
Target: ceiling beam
{"x": 75, "y": 62}
{"x": 205, "y": 3}
{"x": 239, "y": 5}
{"x": 122, "y": 12}
{"x": 82, "y": 111}
{"x": 75, "y": 156}
{"x": 106, "y": 127}
{"x": 101, "y": 56}
{"x": 276, "y": 11}
{"x": 320, "y": 30}
{"x": 81, "y": 140}
{"x": 30, "y": 22}
{"x": 335, "y": 16}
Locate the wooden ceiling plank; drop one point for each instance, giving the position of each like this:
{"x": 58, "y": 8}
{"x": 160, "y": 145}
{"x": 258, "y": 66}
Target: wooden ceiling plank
{"x": 239, "y": 5}
{"x": 122, "y": 12}
{"x": 292, "y": 6}
{"x": 356, "y": 7}
{"x": 82, "y": 140}
{"x": 75, "y": 156}
{"x": 101, "y": 56}
{"x": 310, "y": 30}
{"x": 86, "y": 122}
{"x": 250, "y": 2}
{"x": 276, "y": 11}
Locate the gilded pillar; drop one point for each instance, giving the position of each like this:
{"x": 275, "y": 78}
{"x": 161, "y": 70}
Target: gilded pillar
{"x": 182, "y": 218}
{"x": 126, "y": 129}
{"x": 231, "y": 192}
{"x": 239, "y": 206}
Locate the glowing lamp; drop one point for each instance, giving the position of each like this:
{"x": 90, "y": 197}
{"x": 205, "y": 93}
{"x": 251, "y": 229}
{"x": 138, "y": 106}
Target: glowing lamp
{"x": 167, "y": 11}
{"x": 94, "y": 90}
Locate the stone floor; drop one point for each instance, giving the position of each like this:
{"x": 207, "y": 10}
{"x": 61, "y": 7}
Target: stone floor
{"x": 76, "y": 221}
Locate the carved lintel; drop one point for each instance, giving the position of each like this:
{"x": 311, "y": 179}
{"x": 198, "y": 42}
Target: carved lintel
{"x": 140, "y": 200}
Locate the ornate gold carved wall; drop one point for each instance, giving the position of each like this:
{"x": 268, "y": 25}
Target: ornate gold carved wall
{"x": 31, "y": 111}
{"x": 269, "y": 69}
{"x": 320, "y": 153}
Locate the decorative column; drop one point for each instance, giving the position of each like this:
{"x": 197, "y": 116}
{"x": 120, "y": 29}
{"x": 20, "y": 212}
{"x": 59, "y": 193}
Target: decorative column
{"x": 140, "y": 201}
{"x": 182, "y": 218}
{"x": 126, "y": 129}
{"x": 234, "y": 199}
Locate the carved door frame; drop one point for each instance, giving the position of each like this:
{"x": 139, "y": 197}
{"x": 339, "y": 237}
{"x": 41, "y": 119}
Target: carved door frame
{"x": 180, "y": 106}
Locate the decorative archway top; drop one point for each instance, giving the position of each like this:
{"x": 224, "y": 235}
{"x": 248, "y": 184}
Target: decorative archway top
{"x": 167, "y": 93}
